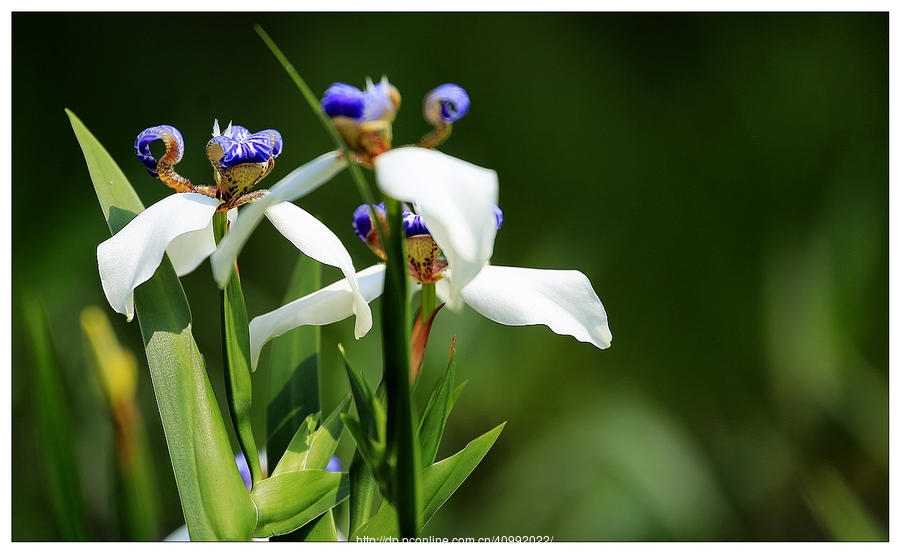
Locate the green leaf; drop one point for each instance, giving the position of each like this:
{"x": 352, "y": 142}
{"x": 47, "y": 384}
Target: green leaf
{"x": 54, "y": 428}
{"x": 439, "y": 481}
{"x": 362, "y": 491}
{"x": 215, "y": 502}
{"x": 321, "y": 528}
{"x": 236, "y": 351}
{"x": 324, "y": 442}
{"x": 291, "y": 499}
{"x": 455, "y": 395}
{"x": 367, "y": 405}
{"x": 294, "y": 370}
{"x": 434, "y": 417}
{"x": 313, "y": 450}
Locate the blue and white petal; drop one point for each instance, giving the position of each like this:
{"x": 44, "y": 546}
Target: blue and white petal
{"x": 561, "y": 300}
{"x": 168, "y": 134}
{"x": 445, "y": 104}
{"x": 329, "y": 305}
{"x": 313, "y": 238}
{"x": 297, "y": 183}
{"x": 342, "y": 99}
{"x": 133, "y": 254}
{"x": 455, "y": 199}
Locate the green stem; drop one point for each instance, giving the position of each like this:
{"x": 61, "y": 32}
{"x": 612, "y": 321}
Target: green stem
{"x": 429, "y": 300}
{"x": 236, "y": 349}
{"x": 401, "y": 442}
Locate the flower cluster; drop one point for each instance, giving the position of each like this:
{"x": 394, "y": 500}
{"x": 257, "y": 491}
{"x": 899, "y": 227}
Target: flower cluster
{"x": 181, "y": 224}
{"x": 450, "y": 229}
{"x": 449, "y": 234}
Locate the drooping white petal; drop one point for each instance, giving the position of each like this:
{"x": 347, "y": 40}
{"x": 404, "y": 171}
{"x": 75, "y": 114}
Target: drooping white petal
{"x": 455, "y": 199}
{"x": 297, "y": 183}
{"x": 132, "y": 255}
{"x": 561, "y": 300}
{"x": 313, "y": 238}
{"x": 442, "y": 290}
{"x": 328, "y": 305}
{"x": 188, "y": 250}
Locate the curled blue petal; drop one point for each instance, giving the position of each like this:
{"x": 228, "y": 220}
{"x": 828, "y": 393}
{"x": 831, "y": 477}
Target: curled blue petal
{"x": 344, "y": 100}
{"x": 242, "y": 147}
{"x": 413, "y": 225}
{"x": 447, "y": 103}
{"x": 362, "y": 219}
{"x": 499, "y": 216}
{"x": 168, "y": 134}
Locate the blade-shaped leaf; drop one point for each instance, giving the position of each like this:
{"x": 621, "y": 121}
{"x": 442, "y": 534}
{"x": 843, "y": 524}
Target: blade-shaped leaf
{"x": 313, "y": 450}
{"x": 291, "y": 499}
{"x": 295, "y": 455}
{"x": 434, "y": 417}
{"x": 54, "y": 429}
{"x": 439, "y": 481}
{"x": 324, "y": 442}
{"x": 236, "y": 348}
{"x": 215, "y": 502}
{"x": 294, "y": 369}
{"x": 364, "y": 397}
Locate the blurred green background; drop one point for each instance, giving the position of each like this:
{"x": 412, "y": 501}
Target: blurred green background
{"x": 722, "y": 179}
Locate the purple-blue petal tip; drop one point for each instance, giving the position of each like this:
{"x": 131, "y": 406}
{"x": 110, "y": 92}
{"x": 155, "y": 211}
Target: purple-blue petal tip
{"x": 334, "y": 464}
{"x": 362, "y": 220}
{"x": 499, "y": 216}
{"x": 344, "y": 100}
{"x": 244, "y": 469}
{"x": 152, "y": 134}
{"x": 413, "y": 225}
{"x": 448, "y": 102}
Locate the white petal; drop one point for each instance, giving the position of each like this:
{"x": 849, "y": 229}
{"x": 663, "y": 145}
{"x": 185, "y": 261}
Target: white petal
{"x": 187, "y": 252}
{"x": 562, "y": 300}
{"x": 455, "y": 199}
{"x": 297, "y": 183}
{"x": 313, "y": 238}
{"x": 442, "y": 290}
{"x": 132, "y": 255}
{"x": 328, "y": 305}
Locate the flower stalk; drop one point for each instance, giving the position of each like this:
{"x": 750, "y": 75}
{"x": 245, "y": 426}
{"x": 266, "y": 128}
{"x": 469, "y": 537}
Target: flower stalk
{"x": 236, "y": 350}
{"x": 396, "y": 328}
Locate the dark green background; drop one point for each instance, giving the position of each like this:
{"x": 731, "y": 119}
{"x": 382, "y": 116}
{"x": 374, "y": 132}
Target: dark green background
{"x": 720, "y": 178}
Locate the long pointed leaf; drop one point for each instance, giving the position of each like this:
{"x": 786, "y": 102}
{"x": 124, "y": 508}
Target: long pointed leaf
{"x": 215, "y": 502}
{"x": 439, "y": 481}
{"x": 54, "y": 428}
{"x": 291, "y": 499}
{"x": 434, "y": 417}
{"x": 236, "y": 349}
{"x": 294, "y": 370}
